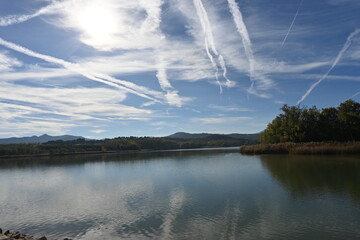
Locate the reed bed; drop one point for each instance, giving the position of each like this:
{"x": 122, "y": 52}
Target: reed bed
{"x": 303, "y": 148}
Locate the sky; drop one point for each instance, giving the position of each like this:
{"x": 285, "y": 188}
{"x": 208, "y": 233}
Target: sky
{"x": 109, "y": 68}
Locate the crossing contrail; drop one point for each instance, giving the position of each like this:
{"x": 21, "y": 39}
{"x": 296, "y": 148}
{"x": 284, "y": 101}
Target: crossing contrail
{"x": 292, "y": 23}
{"x": 337, "y": 59}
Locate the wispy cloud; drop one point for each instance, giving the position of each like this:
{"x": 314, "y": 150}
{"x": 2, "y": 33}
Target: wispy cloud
{"x": 7, "y": 63}
{"x": 89, "y": 102}
{"x": 220, "y": 120}
{"x": 337, "y": 59}
{"x": 102, "y": 78}
{"x": 98, "y": 131}
{"x": 23, "y": 108}
{"x": 171, "y": 94}
{"x": 230, "y": 108}
{"x": 16, "y": 19}
{"x": 152, "y": 23}
{"x": 36, "y": 73}
{"x": 35, "y": 127}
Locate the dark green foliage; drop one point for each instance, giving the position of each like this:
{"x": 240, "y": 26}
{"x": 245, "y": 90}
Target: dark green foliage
{"x": 297, "y": 124}
{"x": 60, "y": 147}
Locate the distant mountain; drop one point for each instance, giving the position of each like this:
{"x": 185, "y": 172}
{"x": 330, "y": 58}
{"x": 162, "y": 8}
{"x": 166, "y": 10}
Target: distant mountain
{"x": 184, "y": 135}
{"x": 209, "y": 136}
{"x": 38, "y": 139}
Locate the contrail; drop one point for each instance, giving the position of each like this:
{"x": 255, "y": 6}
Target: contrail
{"x": 337, "y": 59}
{"x": 172, "y": 96}
{"x": 265, "y": 83}
{"x": 209, "y": 40}
{"x": 205, "y": 24}
{"x": 127, "y": 86}
{"x": 292, "y": 23}
{"x": 228, "y": 83}
{"x": 354, "y": 95}
{"x": 242, "y": 30}
{"x": 152, "y": 24}
{"x": 214, "y": 65}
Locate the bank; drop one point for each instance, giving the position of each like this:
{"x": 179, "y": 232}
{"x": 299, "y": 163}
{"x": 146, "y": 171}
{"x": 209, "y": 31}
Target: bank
{"x": 303, "y": 148}
{"x": 7, "y": 235}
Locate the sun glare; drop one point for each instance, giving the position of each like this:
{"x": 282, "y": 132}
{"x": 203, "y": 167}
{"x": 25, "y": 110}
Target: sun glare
{"x": 97, "y": 21}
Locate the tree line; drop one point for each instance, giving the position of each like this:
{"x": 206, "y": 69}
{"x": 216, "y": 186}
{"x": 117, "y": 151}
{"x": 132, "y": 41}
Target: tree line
{"x": 302, "y": 124}
{"x": 116, "y": 144}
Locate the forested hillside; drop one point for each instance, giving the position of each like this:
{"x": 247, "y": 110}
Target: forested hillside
{"x": 82, "y": 145}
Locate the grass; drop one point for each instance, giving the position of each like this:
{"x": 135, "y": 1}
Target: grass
{"x": 303, "y": 148}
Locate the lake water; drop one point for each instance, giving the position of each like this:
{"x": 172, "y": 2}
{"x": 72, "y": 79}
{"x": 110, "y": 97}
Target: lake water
{"x": 213, "y": 194}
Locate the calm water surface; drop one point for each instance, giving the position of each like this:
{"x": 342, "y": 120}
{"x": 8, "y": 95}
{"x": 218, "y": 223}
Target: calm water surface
{"x": 183, "y": 195}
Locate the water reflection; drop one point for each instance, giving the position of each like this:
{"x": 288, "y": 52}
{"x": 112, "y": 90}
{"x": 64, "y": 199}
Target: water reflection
{"x": 304, "y": 176}
{"x": 175, "y": 195}
{"x": 116, "y": 157}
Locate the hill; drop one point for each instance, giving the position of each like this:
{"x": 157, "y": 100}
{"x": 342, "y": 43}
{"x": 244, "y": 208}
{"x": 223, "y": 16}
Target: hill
{"x": 38, "y": 139}
{"x": 209, "y": 136}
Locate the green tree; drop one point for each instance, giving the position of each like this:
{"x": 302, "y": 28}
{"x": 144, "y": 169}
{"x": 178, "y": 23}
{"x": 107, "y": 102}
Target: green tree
{"x": 349, "y": 116}
{"x": 297, "y": 124}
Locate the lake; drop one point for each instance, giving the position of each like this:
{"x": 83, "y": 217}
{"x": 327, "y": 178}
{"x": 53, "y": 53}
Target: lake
{"x": 209, "y": 194}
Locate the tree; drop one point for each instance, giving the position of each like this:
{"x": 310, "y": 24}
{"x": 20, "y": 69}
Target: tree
{"x": 297, "y": 124}
{"x": 349, "y": 116}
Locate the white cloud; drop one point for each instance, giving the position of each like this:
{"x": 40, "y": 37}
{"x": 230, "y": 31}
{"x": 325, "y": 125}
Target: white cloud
{"x": 98, "y": 77}
{"x": 81, "y": 102}
{"x": 26, "y": 109}
{"x": 31, "y": 127}
{"x": 221, "y": 120}
{"x": 37, "y": 73}
{"x": 229, "y": 108}
{"x": 113, "y": 24}
{"x": 98, "y": 131}
{"x": 16, "y": 19}
{"x": 7, "y": 63}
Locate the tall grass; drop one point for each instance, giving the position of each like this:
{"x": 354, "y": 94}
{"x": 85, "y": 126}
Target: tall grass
{"x": 303, "y": 148}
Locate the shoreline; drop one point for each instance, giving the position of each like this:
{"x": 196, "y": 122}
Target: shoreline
{"x": 71, "y": 154}
{"x": 43, "y": 155}
{"x": 309, "y": 148}
{"x": 7, "y": 235}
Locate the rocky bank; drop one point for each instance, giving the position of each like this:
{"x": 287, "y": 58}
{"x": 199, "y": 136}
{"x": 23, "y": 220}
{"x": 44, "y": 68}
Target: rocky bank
{"x": 7, "y": 235}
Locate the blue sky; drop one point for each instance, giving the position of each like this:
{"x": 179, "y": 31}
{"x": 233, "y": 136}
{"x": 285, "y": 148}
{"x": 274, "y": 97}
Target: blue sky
{"x": 108, "y": 68}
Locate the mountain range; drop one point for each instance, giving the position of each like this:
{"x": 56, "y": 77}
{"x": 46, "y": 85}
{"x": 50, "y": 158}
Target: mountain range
{"x": 211, "y": 136}
{"x": 179, "y": 135}
{"x": 38, "y": 139}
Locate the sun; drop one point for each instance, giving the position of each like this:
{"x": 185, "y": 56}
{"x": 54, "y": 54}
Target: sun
{"x": 97, "y": 21}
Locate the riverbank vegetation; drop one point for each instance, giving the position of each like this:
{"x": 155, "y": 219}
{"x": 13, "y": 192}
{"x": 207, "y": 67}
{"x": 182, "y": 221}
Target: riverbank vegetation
{"x": 303, "y": 148}
{"x": 301, "y": 130}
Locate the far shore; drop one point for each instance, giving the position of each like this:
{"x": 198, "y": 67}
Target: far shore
{"x": 303, "y": 148}
{"x": 70, "y": 154}
{"x": 109, "y": 152}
